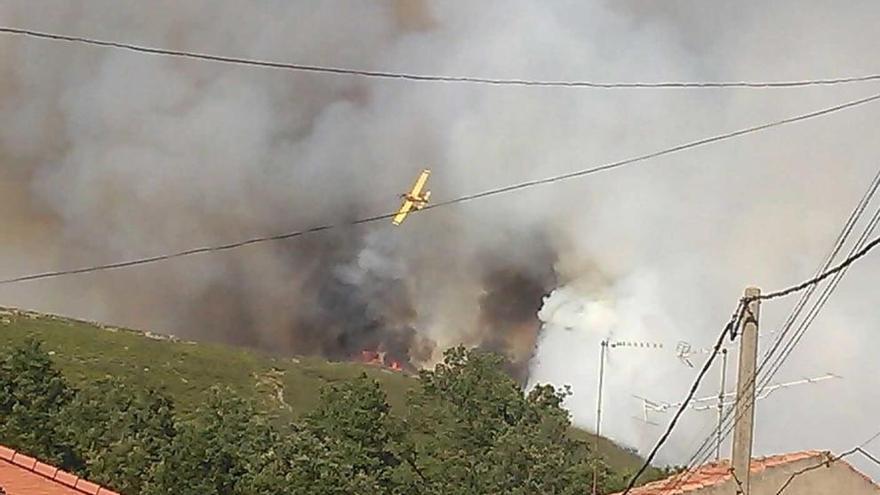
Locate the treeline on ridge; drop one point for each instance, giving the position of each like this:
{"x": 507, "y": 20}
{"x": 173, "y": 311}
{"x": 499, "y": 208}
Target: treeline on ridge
{"x": 467, "y": 429}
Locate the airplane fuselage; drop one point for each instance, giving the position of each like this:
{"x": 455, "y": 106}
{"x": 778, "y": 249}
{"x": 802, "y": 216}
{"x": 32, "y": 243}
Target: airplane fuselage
{"x": 418, "y": 201}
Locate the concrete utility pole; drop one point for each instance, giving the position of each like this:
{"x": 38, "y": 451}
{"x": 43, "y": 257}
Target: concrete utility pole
{"x": 744, "y": 427}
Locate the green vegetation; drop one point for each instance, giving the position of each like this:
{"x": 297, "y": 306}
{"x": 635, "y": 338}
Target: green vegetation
{"x": 167, "y": 404}
{"x": 283, "y": 387}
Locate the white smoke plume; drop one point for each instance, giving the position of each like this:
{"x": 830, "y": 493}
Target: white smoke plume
{"x": 108, "y": 155}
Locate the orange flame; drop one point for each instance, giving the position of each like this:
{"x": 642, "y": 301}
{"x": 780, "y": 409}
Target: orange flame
{"x": 377, "y": 358}
{"x": 371, "y": 357}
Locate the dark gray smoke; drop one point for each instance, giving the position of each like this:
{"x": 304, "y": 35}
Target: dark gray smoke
{"x": 513, "y": 293}
{"x": 353, "y": 306}
{"x": 119, "y": 156}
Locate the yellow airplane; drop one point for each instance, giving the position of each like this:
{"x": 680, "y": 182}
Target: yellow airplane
{"x": 414, "y": 199}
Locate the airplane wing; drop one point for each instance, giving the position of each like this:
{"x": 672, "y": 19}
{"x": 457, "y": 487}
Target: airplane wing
{"x": 404, "y": 211}
{"x": 420, "y": 183}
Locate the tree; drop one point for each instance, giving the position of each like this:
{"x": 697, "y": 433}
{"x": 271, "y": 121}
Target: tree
{"x": 347, "y": 445}
{"x": 353, "y": 420}
{"x": 215, "y": 451}
{"x": 537, "y": 455}
{"x": 476, "y": 432}
{"x": 32, "y": 394}
{"x": 468, "y": 429}
{"x": 120, "y": 432}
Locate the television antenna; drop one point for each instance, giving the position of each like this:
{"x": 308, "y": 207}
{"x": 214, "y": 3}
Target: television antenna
{"x": 722, "y": 400}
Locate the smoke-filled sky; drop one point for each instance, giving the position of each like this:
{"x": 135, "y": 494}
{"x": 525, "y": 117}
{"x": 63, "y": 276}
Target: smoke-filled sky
{"x": 109, "y": 155}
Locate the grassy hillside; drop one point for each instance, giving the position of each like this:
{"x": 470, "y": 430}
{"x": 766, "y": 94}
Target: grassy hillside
{"x": 285, "y": 387}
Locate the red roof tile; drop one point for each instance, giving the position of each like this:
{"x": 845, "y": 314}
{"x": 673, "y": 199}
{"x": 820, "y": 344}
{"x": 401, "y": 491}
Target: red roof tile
{"x": 45, "y": 470}
{"x": 66, "y": 478}
{"x": 715, "y": 473}
{"x": 24, "y": 475}
{"x": 87, "y": 487}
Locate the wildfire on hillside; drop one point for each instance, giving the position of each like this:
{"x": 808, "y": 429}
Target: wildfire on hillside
{"x": 380, "y": 358}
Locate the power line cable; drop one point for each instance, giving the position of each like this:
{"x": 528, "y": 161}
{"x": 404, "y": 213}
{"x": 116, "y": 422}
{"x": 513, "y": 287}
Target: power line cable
{"x": 852, "y": 221}
{"x": 734, "y": 321}
{"x": 703, "y": 452}
{"x": 859, "y": 448}
{"x": 805, "y": 324}
{"x": 194, "y": 251}
{"x": 657, "y": 154}
{"x": 823, "y": 298}
{"x": 461, "y": 199}
{"x": 841, "y": 267}
{"x": 820, "y": 303}
{"x": 436, "y": 78}
{"x": 789, "y": 346}
{"x": 869, "y": 456}
{"x": 839, "y": 242}
{"x": 827, "y": 463}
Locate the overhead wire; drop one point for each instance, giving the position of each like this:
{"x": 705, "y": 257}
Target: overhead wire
{"x": 460, "y": 199}
{"x": 191, "y": 252}
{"x": 839, "y": 242}
{"x": 812, "y": 283}
{"x": 704, "y": 452}
{"x": 858, "y": 251}
{"x": 808, "y": 283}
{"x": 822, "y": 300}
{"x": 726, "y": 424}
{"x": 859, "y": 247}
{"x": 742, "y": 308}
{"x": 406, "y": 76}
{"x": 657, "y": 154}
{"x": 827, "y": 463}
{"x": 734, "y": 320}
{"x": 859, "y": 448}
